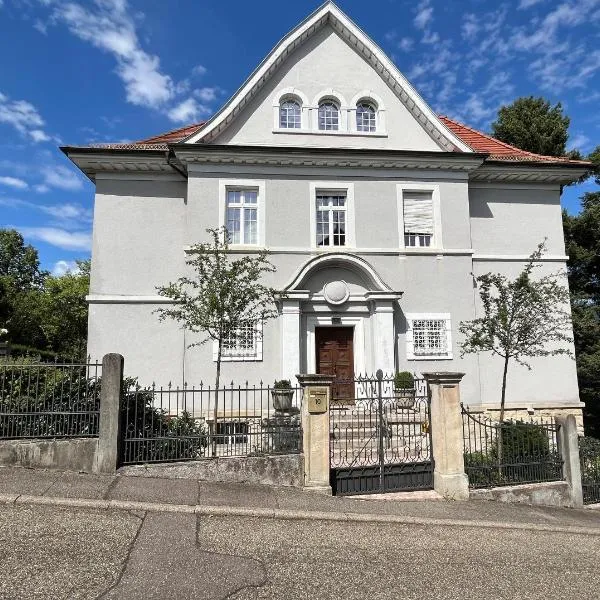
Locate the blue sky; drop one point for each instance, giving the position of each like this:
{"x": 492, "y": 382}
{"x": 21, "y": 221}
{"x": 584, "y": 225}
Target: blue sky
{"x": 115, "y": 70}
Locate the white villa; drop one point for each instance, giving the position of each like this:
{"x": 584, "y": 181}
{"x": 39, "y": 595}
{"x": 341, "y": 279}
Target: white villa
{"x": 377, "y": 213}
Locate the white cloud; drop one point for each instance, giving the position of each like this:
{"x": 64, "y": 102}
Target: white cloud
{"x": 406, "y": 44}
{"x": 61, "y": 267}
{"x": 41, "y": 188}
{"x": 185, "y": 112}
{"x": 424, "y": 14}
{"x": 524, "y": 4}
{"x": 207, "y": 94}
{"x": 61, "y": 238}
{"x": 579, "y": 141}
{"x": 110, "y": 26}
{"x": 68, "y": 215}
{"x": 62, "y": 178}
{"x": 24, "y": 117}
{"x": 14, "y": 182}
{"x": 199, "y": 71}
{"x": 470, "y": 26}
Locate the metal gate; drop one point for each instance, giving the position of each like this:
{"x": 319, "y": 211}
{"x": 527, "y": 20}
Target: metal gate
{"x": 381, "y": 440}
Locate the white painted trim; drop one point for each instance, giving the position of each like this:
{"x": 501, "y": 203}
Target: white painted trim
{"x": 329, "y": 11}
{"x": 346, "y": 259}
{"x": 434, "y": 188}
{"x": 410, "y": 317}
{"x": 519, "y": 257}
{"x": 352, "y": 133}
{"x": 126, "y": 299}
{"x": 259, "y": 349}
{"x": 368, "y": 95}
{"x": 324, "y": 320}
{"x": 258, "y": 184}
{"x": 137, "y": 176}
{"x": 348, "y": 188}
{"x": 400, "y": 252}
{"x": 289, "y": 92}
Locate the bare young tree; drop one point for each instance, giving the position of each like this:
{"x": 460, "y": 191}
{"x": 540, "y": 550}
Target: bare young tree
{"x": 522, "y": 318}
{"x": 223, "y": 299}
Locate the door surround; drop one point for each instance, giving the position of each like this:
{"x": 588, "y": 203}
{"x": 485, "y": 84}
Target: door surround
{"x": 324, "y": 320}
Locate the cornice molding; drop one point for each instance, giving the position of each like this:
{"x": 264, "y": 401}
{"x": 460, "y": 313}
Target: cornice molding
{"x": 527, "y": 172}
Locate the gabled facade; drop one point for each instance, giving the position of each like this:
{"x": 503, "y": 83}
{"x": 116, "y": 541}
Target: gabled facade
{"x": 376, "y": 211}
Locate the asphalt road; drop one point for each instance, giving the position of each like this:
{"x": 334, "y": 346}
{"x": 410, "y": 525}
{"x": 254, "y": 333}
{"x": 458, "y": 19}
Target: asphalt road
{"x": 52, "y": 552}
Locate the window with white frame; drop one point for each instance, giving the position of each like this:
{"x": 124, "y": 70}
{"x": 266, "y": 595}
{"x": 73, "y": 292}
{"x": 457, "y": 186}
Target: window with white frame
{"x": 290, "y": 114}
{"x": 418, "y": 218}
{"x": 331, "y": 218}
{"x": 242, "y": 216}
{"x": 245, "y": 344}
{"x": 365, "y": 117}
{"x": 329, "y": 116}
{"x": 429, "y": 336}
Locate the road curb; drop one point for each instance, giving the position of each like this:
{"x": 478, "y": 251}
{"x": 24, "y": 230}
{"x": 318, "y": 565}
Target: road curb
{"x": 282, "y": 514}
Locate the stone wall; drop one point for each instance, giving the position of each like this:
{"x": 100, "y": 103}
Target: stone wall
{"x": 76, "y": 454}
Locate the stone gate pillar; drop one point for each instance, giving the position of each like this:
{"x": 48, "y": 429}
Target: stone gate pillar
{"x": 316, "y": 396}
{"x": 449, "y": 478}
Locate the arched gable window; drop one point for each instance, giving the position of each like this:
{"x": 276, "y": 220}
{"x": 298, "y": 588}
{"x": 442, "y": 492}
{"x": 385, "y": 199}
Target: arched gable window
{"x": 290, "y": 114}
{"x": 366, "y": 119}
{"x": 329, "y": 116}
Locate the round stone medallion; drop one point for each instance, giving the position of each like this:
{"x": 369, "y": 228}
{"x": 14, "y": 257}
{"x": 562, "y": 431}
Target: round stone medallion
{"x": 336, "y": 292}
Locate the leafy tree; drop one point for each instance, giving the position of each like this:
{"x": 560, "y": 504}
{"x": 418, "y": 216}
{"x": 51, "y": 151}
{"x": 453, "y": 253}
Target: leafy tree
{"x": 534, "y": 125}
{"x": 63, "y": 311}
{"x": 223, "y": 297}
{"x": 522, "y": 318}
{"x": 21, "y": 280}
{"x": 582, "y": 238}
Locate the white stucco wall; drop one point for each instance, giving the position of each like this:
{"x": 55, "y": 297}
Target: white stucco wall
{"x": 326, "y": 62}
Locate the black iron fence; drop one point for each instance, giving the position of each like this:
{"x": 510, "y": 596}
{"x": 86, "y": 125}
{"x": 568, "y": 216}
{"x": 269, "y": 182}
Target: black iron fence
{"x": 510, "y": 453}
{"x": 380, "y": 437}
{"x": 589, "y": 456}
{"x": 48, "y": 400}
{"x": 162, "y": 424}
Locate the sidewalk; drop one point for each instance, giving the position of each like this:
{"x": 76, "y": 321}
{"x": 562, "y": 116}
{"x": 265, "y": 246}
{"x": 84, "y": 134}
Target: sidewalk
{"x": 28, "y": 486}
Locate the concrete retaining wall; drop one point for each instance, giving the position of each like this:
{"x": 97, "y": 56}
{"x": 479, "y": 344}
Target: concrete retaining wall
{"x": 285, "y": 469}
{"x": 556, "y": 493}
{"x": 77, "y": 454}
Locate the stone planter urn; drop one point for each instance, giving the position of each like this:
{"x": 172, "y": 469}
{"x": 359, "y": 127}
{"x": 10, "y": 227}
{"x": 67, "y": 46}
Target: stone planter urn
{"x": 404, "y": 389}
{"x": 282, "y": 395}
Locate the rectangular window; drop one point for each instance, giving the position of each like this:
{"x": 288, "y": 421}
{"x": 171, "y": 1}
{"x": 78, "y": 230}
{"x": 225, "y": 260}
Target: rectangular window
{"x": 245, "y": 345}
{"x": 242, "y": 216}
{"x": 331, "y": 218}
{"x": 418, "y": 218}
{"x": 428, "y": 336}
{"x": 232, "y": 432}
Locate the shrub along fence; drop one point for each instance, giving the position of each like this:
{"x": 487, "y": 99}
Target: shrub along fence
{"x": 589, "y": 455}
{"x": 161, "y": 424}
{"x": 510, "y": 453}
{"x": 48, "y": 400}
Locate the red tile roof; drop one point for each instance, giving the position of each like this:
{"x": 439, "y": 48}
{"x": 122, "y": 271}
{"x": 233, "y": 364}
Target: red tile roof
{"x": 477, "y": 141}
{"x": 497, "y": 150}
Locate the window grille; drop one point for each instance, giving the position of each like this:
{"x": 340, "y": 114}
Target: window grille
{"x": 365, "y": 118}
{"x": 232, "y": 432}
{"x": 244, "y": 343}
{"x": 429, "y": 337}
{"x": 242, "y": 216}
{"x": 331, "y": 219}
{"x": 290, "y": 115}
{"x": 418, "y": 218}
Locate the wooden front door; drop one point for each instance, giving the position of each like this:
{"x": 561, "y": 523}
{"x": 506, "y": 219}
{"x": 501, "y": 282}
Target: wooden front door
{"x": 335, "y": 356}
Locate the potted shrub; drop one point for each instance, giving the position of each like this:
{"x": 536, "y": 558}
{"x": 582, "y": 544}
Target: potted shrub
{"x": 404, "y": 389}
{"x": 282, "y": 395}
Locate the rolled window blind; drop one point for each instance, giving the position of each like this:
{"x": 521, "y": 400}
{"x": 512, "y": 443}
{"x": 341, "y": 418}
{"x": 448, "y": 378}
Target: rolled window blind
{"x": 418, "y": 212}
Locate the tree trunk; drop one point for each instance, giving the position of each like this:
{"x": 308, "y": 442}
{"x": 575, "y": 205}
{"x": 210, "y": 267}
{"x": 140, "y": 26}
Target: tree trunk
{"x": 216, "y": 411}
{"x": 502, "y": 402}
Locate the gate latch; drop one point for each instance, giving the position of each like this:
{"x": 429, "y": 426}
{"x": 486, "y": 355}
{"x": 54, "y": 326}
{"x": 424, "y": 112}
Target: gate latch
{"x": 317, "y": 400}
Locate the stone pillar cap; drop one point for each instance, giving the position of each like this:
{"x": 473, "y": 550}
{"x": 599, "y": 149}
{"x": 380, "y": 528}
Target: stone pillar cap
{"x": 314, "y": 379}
{"x": 443, "y": 377}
